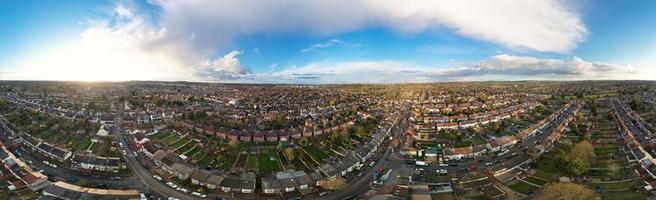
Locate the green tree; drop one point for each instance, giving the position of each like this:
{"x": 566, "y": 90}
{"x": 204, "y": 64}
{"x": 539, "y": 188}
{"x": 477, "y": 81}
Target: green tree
{"x": 303, "y": 141}
{"x": 361, "y": 131}
{"x": 281, "y": 120}
{"x": 578, "y": 166}
{"x": 334, "y": 136}
{"x": 91, "y": 105}
{"x": 3, "y": 105}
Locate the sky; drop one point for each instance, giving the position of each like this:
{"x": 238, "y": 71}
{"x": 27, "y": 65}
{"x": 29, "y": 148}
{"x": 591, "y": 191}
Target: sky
{"x": 327, "y": 41}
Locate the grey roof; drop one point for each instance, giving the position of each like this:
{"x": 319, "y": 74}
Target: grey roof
{"x": 304, "y": 180}
{"x": 247, "y": 184}
{"x": 316, "y": 176}
{"x": 3, "y": 154}
{"x": 200, "y": 175}
{"x": 231, "y": 182}
{"x": 288, "y": 183}
{"x": 270, "y": 183}
{"x": 214, "y": 179}
{"x": 182, "y": 168}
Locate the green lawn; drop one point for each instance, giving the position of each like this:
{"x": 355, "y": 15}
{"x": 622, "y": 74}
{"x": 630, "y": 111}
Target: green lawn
{"x": 298, "y": 165}
{"x": 316, "y": 152}
{"x": 522, "y": 187}
{"x": 205, "y": 160}
{"x": 268, "y": 163}
{"x": 251, "y": 162}
{"x": 180, "y": 142}
{"x": 170, "y": 139}
{"x": 186, "y": 147}
{"x": 82, "y": 143}
{"x": 535, "y": 180}
{"x": 478, "y": 140}
{"x": 193, "y": 151}
{"x": 546, "y": 175}
{"x": 626, "y": 195}
{"x": 615, "y": 186}
{"x": 160, "y": 135}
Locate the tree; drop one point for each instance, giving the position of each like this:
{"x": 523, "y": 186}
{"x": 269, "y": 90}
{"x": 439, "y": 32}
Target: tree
{"x": 158, "y": 100}
{"x": 91, "y": 105}
{"x": 303, "y": 141}
{"x": 566, "y": 191}
{"x": 3, "y": 104}
{"x": 613, "y": 167}
{"x": 334, "y": 136}
{"x": 594, "y": 106}
{"x": 290, "y": 153}
{"x": 281, "y": 120}
{"x": 345, "y": 135}
{"x": 578, "y": 166}
{"x": 233, "y": 143}
{"x": 636, "y": 104}
{"x": 361, "y": 131}
{"x": 583, "y": 150}
{"x": 579, "y": 158}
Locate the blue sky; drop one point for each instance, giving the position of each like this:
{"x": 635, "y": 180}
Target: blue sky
{"x": 327, "y": 41}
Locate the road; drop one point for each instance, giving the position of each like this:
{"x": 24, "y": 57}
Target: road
{"x": 64, "y": 173}
{"x": 362, "y": 183}
{"x": 518, "y": 149}
{"x": 144, "y": 175}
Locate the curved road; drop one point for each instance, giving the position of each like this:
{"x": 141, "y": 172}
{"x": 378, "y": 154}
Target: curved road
{"x": 139, "y": 170}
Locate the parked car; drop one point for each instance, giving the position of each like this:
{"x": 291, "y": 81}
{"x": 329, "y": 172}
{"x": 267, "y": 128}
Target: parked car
{"x": 198, "y": 194}
{"x": 172, "y": 185}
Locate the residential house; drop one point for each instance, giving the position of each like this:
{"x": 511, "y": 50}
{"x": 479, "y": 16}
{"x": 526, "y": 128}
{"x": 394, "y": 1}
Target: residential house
{"x": 199, "y": 177}
{"x": 213, "y": 181}
{"x": 182, "y": 170}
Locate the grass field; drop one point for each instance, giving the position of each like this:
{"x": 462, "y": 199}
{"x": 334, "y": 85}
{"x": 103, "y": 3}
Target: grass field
{"x": 185, "y": 147}
{"x": 81, "y": 143}
{"x": 193, "y": 151}
{"x": 316, "y": 152}
{"x": 251, "y": 162}
{"x": 170, "y": 139}
{"x": 523, "y": 187}
{"x": 628, "y": 195}
{"x": 180, "y": 142}
{"x": 535, "y": 180}
{"x": 268, "y": 163}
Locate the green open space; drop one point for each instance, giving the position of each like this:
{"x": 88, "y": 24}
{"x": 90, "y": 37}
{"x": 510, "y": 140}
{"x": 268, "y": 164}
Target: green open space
{"x": 523, "y": 187}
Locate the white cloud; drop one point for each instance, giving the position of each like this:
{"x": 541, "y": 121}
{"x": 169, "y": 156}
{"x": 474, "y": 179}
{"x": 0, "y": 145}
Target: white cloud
{"x": 228, "y": 63}
{"x": 531, "y": 66}
{"x": 500, "y": 67}
{"x": 125, "y": 47}
{"x": 330, "y": 43}
{"x": 122, "y": 11}
{"x": 542, "y": 25}
{"x": 126, "y": 50}
{"x": 187, "y": 33}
